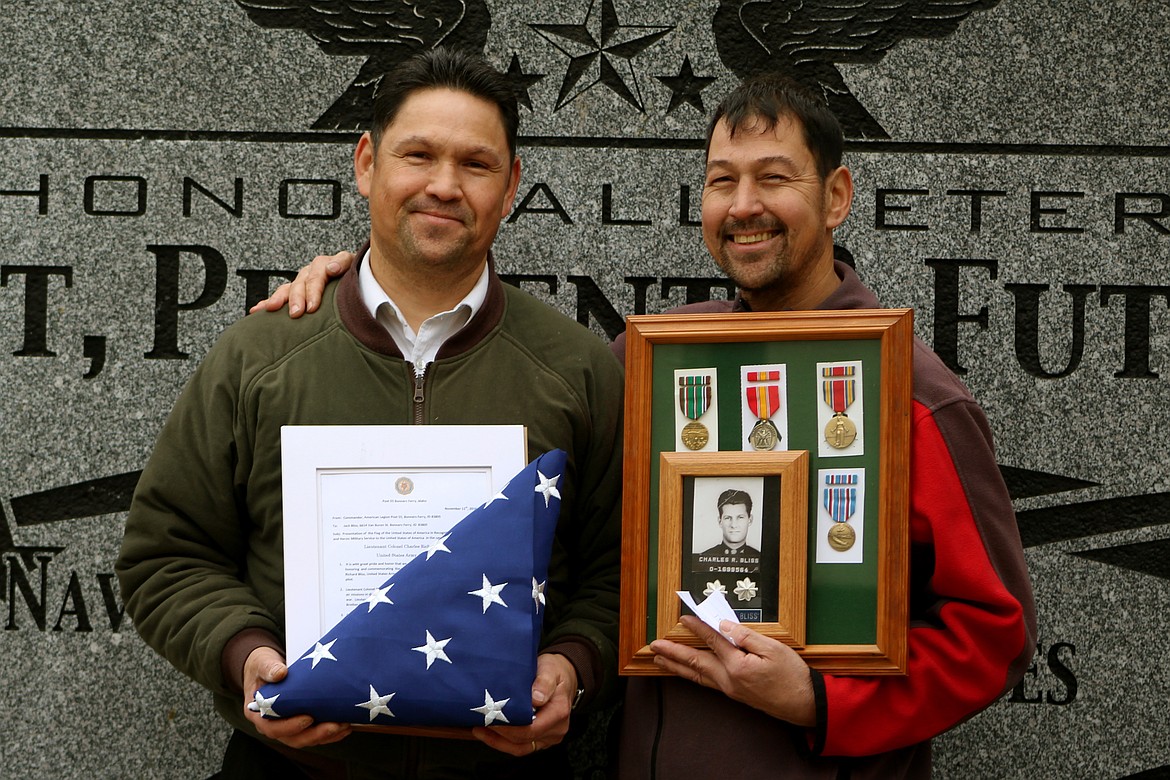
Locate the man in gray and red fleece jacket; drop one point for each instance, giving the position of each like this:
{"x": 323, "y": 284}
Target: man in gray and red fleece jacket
{"x": 775, "y": 190}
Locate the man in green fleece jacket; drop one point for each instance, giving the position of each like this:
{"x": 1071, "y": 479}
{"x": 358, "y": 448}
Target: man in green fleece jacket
{"x": 420, "y": 330}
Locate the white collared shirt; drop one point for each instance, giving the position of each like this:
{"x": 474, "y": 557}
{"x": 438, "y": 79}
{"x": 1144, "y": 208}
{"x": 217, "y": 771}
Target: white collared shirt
{"x": 422, "y": 347}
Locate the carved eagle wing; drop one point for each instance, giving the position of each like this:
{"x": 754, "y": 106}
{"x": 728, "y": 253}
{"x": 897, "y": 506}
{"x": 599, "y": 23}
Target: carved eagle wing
{"x": 364, "y": 27}
{"x": 806, "y": 37}
{"x": 385, "y": 31}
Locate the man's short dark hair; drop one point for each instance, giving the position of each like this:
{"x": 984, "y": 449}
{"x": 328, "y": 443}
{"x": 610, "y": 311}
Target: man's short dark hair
{"x": 445, "y": 69}
{"x": 734, "y": 497}
{"x": 767, "y": 99}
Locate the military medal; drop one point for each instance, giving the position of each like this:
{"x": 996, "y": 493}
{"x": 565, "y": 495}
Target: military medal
{"x": 764, "y": 401}
{"x": 694, "y": 398}
{"x": 840, "y": 500}
{"x": 839, "y": 389}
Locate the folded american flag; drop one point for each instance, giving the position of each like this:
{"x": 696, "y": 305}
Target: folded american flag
{"x": 450, "y": 639}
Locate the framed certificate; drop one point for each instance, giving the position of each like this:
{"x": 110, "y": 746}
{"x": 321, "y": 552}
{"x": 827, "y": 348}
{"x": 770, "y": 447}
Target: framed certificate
{"x": 361, "y": 501}
{"x": 833, "y": 386}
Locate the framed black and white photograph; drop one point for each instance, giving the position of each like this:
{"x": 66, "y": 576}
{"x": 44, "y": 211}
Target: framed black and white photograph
{"x": 731, "y": 527}
{"x": 732, "y": 522}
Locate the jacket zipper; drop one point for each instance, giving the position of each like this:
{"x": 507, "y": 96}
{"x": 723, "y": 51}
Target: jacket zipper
{"x": 411, "y": 758}
{"x": 420, "y": 381}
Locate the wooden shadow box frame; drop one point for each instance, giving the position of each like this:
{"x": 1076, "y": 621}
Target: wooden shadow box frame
{"x": 656, "y": 345}
{"x": 790, "y": 512}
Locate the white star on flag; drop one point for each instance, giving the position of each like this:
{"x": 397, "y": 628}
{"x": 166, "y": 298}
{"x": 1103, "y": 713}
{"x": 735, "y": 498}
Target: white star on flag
{"x": 264, "y": 706}
{"x": 320, "y": 653}
{"x": 714, "y": 587}
{"x": 547, "y": 487}
{"x": 497, "y": 497}
{"x": 538, "y": 593}
{"x": 489, "y": 593}
{"x": 439, "y": 546}
{"x": 745, "y": 589}
{"x": 491, "y": 710}
{"x": 433, "y": 649}
{"x": 379, "y": 597}
{"x": 377, "y": 704}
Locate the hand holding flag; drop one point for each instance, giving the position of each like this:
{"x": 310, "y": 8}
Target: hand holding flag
{"x": 451, "y": 639}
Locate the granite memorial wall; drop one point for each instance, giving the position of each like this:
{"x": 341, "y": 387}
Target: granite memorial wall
{"x": 166, "y": 164}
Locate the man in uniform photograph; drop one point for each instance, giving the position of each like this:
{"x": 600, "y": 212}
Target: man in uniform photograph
{"x": 735, "y": 520}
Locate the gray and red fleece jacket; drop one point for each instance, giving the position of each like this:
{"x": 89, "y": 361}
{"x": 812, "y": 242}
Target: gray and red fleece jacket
{"x": 972, "y": 619}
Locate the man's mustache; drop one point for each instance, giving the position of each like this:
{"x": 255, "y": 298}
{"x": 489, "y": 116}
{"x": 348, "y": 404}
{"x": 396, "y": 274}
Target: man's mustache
{"x": 760, "y": 224}
{"x": 439, "y": 208}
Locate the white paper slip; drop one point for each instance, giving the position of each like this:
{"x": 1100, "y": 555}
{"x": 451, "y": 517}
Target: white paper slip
{"x": 711, "y": 610}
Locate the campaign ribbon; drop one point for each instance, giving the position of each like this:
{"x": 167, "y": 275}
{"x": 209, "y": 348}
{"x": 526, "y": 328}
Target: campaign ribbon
{"x": 763, "y": 400}
{"x": 840, "y": 497}
{"x": 838, "y": 390}
{"x": 694, "y": 395}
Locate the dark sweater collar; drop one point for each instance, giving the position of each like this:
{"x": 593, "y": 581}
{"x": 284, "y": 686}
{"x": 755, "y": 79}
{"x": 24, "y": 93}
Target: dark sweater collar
{"x": 849, "y": 294}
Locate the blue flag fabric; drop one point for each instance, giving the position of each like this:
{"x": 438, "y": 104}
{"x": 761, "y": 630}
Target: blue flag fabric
{"x": 451, "y": 639}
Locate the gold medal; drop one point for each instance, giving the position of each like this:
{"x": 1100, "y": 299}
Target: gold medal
{"x": 694, "y": 435}
{"x": 763, "y": 436}
{"x": 840, "y": 432}
{"x": 839, "y": 391}
{"x": 841, "y": 536}
{"x": 764, "y": 401}
{"x": 695, "y": 395}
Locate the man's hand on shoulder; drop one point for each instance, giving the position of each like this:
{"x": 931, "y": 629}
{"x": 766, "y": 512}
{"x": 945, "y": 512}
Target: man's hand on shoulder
{"x": 265, "y": 665}
{"x": 553, "y": 694}
{"x": 757, "y": 670}
{"x": 303, "y": 294}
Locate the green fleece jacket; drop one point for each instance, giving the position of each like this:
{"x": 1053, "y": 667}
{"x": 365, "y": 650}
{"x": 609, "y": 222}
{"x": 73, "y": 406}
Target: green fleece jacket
{"x": 201, "y": 566}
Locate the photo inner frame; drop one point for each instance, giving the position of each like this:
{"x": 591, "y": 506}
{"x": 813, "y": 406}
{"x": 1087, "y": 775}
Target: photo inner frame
{"x": 856, "y": 598}
{"x": 745, "y": 497}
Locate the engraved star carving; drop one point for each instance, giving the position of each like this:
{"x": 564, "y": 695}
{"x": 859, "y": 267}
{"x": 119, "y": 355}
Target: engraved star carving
{"x": 320, "y": 653}
{"x": 433, "y": 649}
{"x": 600, "y": 50}
{"x": 686, "y": 87}
{"x": 521, "y": 81}
{"x": 439, "y": 546}
{"x": 377, "y": 704}
{"x": 538, "y": 593}
{"x": 714, "y": 587}
{"x": 378, "y": 597}
{"x": 263, "y": 706}
{"x": 491, "y": 710}
{"x": 548, "y": 487}
{"x": 489, "y": 593}
{"x": 745, "y": 589}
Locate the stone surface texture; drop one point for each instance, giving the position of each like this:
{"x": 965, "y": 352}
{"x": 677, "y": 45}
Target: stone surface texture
{"x": 116, "y": 116}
